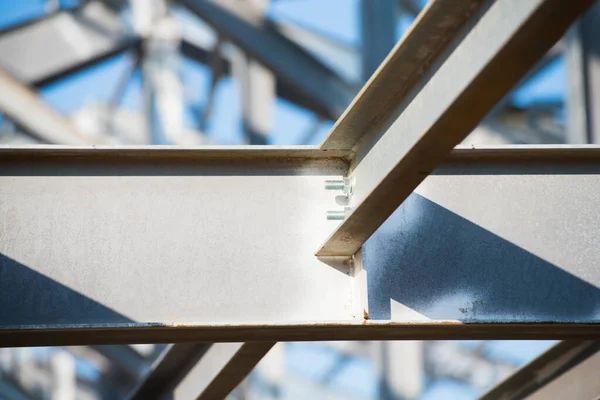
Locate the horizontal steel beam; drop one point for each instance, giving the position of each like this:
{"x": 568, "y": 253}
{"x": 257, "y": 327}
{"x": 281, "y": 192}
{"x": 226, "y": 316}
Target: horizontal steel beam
{"x": 492, "y": 236}
{"x": 163, "y": 245}
{"x": 292, "y": 332}
{"x": 416, "y": 130}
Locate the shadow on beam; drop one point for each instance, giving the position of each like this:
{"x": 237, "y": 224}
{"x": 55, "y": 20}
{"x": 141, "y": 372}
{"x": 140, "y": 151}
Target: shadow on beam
{"x": 47, "y": 302}
{"x": 442, "y": 266}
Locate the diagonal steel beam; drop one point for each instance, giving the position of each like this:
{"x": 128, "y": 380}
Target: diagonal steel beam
{"x": 170, "y": 369}
{"x": 23, "y": 106}
{"x": 237, "y": 22}
{"x": 70, "y": 41}
{"x": 200, "y": 370}
{"x": 416, "y": 129}
{"x": 580, "y": 383}
{"x": 63, "y": 43}
{"x": 221, "y": 370}
{"x": 544, "y": 372}
{"x": 401, "y": 71}
{"x": 126, "y": 360}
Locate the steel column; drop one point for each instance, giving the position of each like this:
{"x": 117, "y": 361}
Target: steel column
{"x": 378, "y": 30}
{"x": 582, "y": 60}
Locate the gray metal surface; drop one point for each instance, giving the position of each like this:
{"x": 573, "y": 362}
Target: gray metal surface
{"x": 118, "y": 245}
{"x": 492, "y": 54}
{"x": 492, "y": 240}
{"x": 340, "y": 56}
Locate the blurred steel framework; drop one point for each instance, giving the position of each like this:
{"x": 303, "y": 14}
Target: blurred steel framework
{"x": 101, "y": 245}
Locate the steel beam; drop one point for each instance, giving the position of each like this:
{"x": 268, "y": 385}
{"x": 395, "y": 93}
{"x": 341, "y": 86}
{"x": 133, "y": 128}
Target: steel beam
{"x": 222, "y": 368}
{"x": 200, "y": 370}
{"x": 401, "y": 71}
{"x": 483, "y": 239}
{"x": 199, "y": 42}
{"x": 100, "y": 35}
{"x": 126, "y": 360}
{"x": 582, "y": 60}
{"x": 48, "y": 49}
{"x": 378, "y": 31}
{"x": 240, "y": 24}
{"x": 341, "y": 57}
{"x": 500, "y": 43}
{"x": 144, "y": 198}
{"x": 170, "y": 369}
{"x": 257, "y": 96}
{"x": 410, "y": 6}
{"x": 89, "y": 233}
{"x": 580, "y": 383}
{"x": 546, "y": 375}
{"x": 24, "y": 107}
{"x": 257, "y": 88}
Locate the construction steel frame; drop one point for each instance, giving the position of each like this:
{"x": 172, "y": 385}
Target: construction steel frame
{"x": 232, "y": 244}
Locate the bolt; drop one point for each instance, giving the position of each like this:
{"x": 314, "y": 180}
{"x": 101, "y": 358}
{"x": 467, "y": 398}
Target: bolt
{"x": 334, "y": 184}
{"x": 335, "y": 215}
{"x": 344, "y": 185}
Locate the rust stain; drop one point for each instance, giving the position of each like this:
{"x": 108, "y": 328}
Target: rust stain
{"x": 365, "y": 314}
{"x": 472, "y": 307}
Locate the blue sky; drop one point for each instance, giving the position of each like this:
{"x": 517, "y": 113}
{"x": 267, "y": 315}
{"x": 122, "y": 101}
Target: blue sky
{"x": 337, "y": 18}
{"x": 290, "y": 125}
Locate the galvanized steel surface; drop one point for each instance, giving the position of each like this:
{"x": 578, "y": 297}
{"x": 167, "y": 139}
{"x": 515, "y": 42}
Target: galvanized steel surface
{"x": 119, "y": 239}
{"x": 497, "y": 241}
{"x": 117, "y": 245}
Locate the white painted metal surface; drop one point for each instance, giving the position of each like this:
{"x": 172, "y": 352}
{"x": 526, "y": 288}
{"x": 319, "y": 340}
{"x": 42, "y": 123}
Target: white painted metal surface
{"x": 196, "y": 240}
